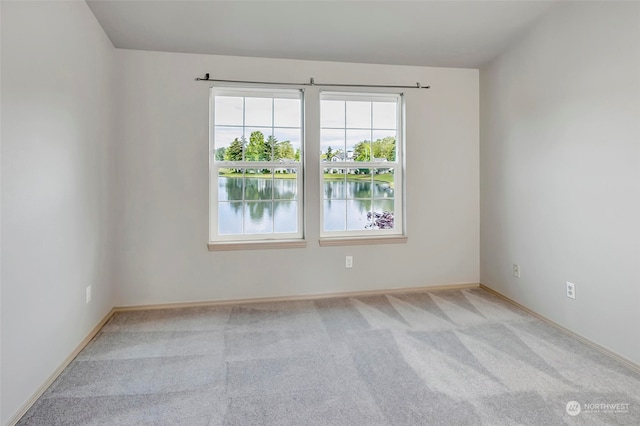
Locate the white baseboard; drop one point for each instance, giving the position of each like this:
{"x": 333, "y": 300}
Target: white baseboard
{"x": 364, "y": 293}
{"x": 25, "y": 407}
{"x": 627, "y": 362}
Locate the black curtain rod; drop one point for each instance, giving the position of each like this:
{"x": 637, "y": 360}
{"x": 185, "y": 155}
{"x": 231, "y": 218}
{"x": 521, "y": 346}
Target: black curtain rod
{"x": 312, "y": 83}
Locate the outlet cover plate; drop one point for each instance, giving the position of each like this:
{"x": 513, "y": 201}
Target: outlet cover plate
{"x": 571, "y": 290}
{"x": 516, "y": 270}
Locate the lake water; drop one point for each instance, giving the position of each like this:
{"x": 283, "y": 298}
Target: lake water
{"x": 267, "y": 206}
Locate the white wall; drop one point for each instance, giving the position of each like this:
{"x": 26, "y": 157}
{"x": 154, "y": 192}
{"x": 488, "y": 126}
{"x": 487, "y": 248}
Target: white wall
{"x": 162, "y": 176}
{"x": 57, "y": 85}
{"x": 560, "y": 171}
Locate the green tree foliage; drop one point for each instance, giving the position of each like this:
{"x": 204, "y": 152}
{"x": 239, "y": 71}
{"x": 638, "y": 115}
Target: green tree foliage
{"x": 269, "y": 148}
{"x": 259, "y": 149}
{"x": 382, "y": 148}
{"x": 362, "y": 151}
{"x": 385, "y": 148}
{"x": 284, "y": 151}
{"x": 219, "y": 153}
{"x": 234, "y": 152}
{"x": 255, "y": 149}
{"x": 330, "y": 154}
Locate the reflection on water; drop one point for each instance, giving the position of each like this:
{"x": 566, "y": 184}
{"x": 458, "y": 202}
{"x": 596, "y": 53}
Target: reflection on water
{"x": 258, "y": 205}
{"x": 351, "y": 204}
{"x": 256, "y": 189}
{"x": 268, "y": 205}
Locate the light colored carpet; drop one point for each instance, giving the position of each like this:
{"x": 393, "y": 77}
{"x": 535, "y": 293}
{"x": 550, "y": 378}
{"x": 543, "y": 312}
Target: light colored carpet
{"x": 439, "y": 358}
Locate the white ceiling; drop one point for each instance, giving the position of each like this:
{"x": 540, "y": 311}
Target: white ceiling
{"x": 429, "y": 33}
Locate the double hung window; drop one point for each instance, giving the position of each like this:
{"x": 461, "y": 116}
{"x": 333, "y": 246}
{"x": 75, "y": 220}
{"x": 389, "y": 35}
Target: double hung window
{"x": 257, "y": 158}
{"x": 255, "y": 165}
{"x": 360, "y": 162}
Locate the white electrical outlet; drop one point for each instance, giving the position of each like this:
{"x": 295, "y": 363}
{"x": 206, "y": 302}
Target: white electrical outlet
{"x": 348, "y": 262}
{"x": 571, "y": 290}
{"x": 88, "y": 294}
{"x": 516, "y": 270}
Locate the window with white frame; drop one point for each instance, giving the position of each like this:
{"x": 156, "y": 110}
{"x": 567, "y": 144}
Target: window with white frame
{"x": 361, "y": 164}
{"x": 255, "y": 164}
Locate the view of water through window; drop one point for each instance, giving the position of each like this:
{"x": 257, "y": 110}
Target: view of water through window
{"x": 266, "y": 205}
{"x": 258, "y": 161}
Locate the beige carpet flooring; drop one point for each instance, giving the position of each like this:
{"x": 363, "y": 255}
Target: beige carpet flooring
{"x": 459, "y": 357}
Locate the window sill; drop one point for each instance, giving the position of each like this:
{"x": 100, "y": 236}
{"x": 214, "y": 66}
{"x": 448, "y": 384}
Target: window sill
{"x": 257, "y": 245}
{"x": 357, "y": 241}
